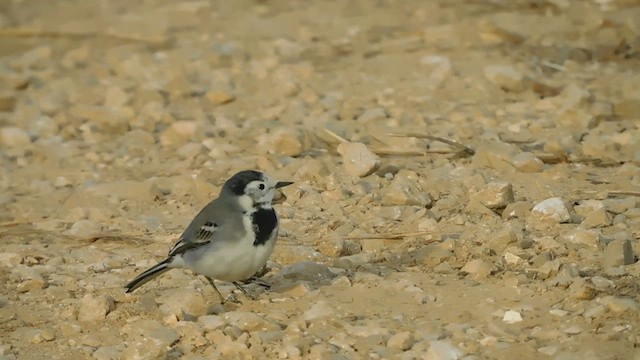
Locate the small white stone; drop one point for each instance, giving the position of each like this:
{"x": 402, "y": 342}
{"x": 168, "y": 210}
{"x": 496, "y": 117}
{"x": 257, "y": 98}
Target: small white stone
{"x": 285, "y": 141}
{"x": 573, "y": 330}
{"x": 477, "y": 268}
{"x": 248, "y": 321}
{"x": 95, "y": 308}
{"x": 558, "y": 312}
{"x": 527, "y": 162}
{"x": 318, "y": 311}
{"x": 84, "y": 229}
{"x": 512, "y": 317}
{"x": 107, "y": 353}
{"x": 512, "y": 259}
{"x": 495, "y": 195}
{"x": 211, "y": 322}
{"x": 548, "y": 350}
{"x": 552, "y": 208}
{"x": 619, "y": 304}
{"x": 161, "y": 335}
{"x": 507, "y": 77}
{"x": 401, "y": 341}
{"x": 13, "y": 137}
{"x": 185, "y": 303}
{"x": 442, "y": 350}
{"x": 358, "y": 160}
{"x": 9, "y": 259}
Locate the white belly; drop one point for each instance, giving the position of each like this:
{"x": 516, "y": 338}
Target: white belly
{"x": 234, "y": 261}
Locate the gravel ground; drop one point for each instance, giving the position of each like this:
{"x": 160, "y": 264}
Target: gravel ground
{"x": 467, "y": 179}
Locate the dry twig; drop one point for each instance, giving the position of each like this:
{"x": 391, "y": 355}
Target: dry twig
{"x": 388, "y": 236}
{"x": 463, "y": 148}
{"x": 28, "y": 32}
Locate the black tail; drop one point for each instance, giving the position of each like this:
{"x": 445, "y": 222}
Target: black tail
{"x": 150, "y": 274}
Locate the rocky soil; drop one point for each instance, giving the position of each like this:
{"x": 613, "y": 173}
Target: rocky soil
{"x": 467, "y": 176}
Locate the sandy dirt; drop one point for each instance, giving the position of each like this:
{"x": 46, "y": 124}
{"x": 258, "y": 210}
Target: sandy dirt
{"x": 467, "y": 179}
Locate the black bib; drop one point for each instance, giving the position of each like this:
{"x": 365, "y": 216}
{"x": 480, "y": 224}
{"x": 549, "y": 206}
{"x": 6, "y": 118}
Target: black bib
{"x": 264, "y": 222}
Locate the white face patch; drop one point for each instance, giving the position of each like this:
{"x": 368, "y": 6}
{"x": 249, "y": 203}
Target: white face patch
{"x": 258, "y": 192}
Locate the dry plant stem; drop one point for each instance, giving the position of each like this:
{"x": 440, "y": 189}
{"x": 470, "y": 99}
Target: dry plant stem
{"x": 622, "y": 193}
{"x": 27, "y": 32}
{"x": 387, "y": 236}
{"x": 464, "y": 148}
{"x": 408, "y": 152}
{"x": 335, "y": 136}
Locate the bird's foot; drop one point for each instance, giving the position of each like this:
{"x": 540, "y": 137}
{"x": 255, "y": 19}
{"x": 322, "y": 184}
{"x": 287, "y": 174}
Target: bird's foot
{"x": 246, "y": 294}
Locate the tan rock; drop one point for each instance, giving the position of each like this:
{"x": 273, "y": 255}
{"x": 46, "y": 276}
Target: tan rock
{"x": 495, "y": 195}
{"x": 357, "y": 159}
{"x": 94, "y": 309}
{"x": 618, "y": 253}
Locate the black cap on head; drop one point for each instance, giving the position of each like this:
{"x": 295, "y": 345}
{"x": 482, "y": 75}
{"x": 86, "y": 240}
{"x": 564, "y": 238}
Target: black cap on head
{"x": 239, "y": 181}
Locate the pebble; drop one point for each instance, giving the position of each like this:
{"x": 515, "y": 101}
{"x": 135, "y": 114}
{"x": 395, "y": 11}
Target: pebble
{"x": 144, "y": 349}
{"x": 248, "y": 321}
{"x": 581, "y": 238}
{"x": 115, "y": 97}
{"x": 297, "y": 289}
{"x": 401, "y": 341}
{"x": 594, "y": 311}
{"x": 597, "y": 218}
{"x": 357, "y": 159}
{"x": 9, "y": 259}
{"x": 191, "y": 334}
{"x": 331, "y": 247}
{"x": 220, "y": 97}
{"x": 548, "y": 350}
{"x": 372, "y": 115}
{"x": 581, "y": 290}
{"x": 573, "y": 330}
{"x": 627, "y": 108}
{"x": 305, "y": 271}
{"x": 517, "y": 210}
{"x": 107, "y": 353}
{"x": 553, "y": 209}
{"x": 30, "y": 285}
{"x": 404, "y": 189}
{"x": 153, "y": 330}
{"x": 586, "y": 207}
{"x": 95, "y": 308}
{"x": 495, "y": 195}
{"x": 619, "y": 304}
{"x": 319, "y": 310}
{"x": 432, "y": 256}
{"x": 442, "y": 350}
{"x": 618, "y": 253}
{"x": 506, "y": 77}
{"x": 512, "y": 317}
{"x": 211, "y": 322}
{"x": 527, "y": 162}
{"x": 186, "y": 303}
{"x": 7, "y": 101}
{"x": 602, "y": 283}
{"x": 477, "y": 269}
{"x": 284, "y": 141}
{"x": 14, "y": 137}
{"x": 619, "y": 206}
{"x": 84, "y": 229}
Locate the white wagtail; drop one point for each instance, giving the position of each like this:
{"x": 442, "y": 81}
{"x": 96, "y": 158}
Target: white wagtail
{"x": 231, "y": 238}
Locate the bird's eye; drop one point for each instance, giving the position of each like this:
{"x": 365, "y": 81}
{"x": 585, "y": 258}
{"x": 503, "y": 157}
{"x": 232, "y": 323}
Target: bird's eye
{"x": 261, "y": 186}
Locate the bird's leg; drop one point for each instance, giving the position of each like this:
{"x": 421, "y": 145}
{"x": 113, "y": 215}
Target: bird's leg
{"x": 222, "y": 301}
{"x": 258, "y": 281}
{"x": 250, "y": 297}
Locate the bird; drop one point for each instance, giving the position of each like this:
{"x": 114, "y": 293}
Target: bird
{"x": 231, "y": 238}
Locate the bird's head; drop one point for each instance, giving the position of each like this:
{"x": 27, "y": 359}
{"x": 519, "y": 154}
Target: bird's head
{"x": 253, "y": 189}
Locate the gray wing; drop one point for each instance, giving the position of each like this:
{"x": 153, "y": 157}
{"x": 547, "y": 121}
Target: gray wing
{"x": 201, "y": 231}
